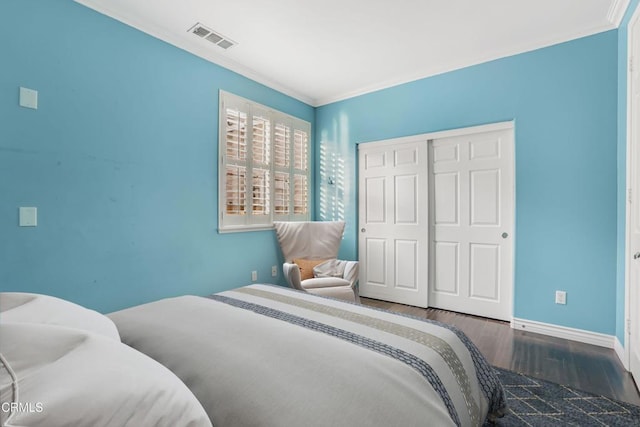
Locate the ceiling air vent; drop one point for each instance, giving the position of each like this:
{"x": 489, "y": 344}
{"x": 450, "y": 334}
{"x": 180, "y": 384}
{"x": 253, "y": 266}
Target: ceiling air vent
{"x": 211, "y": 36}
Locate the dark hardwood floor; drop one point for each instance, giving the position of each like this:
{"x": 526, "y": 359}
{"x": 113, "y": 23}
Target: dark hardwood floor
{"x": 586, "y": 367}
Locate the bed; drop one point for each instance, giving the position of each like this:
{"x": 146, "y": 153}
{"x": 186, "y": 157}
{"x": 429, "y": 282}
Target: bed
{"x": 265, "y": 355}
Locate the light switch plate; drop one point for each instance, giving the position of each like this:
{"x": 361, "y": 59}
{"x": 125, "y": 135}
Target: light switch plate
{"x": 28, "y": 98}
{"x": 28, "y": 217}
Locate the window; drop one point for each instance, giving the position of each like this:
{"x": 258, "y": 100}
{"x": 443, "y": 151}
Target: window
{"x": 264, "y": 166}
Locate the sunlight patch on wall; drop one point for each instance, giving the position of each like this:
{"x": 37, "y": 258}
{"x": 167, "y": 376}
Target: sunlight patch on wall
{"x": 332, "y": 178}
{"x": 336, "y": 173}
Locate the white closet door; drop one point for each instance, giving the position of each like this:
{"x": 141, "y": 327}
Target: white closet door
{"x": 471, "y": 209}
{"x": 393, "y": 221}
{"x": 633, "y": 219}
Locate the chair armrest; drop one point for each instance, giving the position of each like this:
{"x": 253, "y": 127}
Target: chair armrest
{"x": 351, "y": 272}
{"x": 292, "y": 274}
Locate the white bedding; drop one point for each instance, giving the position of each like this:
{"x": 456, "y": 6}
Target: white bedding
{"x": 64, "y": 365}
{"x": 35, "y": 308}
{"x": 271, "y": 356}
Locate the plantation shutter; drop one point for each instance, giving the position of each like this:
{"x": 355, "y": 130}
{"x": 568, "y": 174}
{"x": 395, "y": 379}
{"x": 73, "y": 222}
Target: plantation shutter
{"x": 264, "y": 166}
{"x": 236, "y": 163}
{"x": 261, "y": 169}
{"x": 300, "y": 172}
{"x": 282, "y": 154}
{"x": 291, "y": 159}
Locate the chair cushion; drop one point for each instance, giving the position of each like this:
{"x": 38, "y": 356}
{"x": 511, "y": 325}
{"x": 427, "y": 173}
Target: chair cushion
{"x": 330, "y": 268}
{"x": 309, "y": 239}
{"x": 324, "y": 282}
{"x": 306, "y": 266}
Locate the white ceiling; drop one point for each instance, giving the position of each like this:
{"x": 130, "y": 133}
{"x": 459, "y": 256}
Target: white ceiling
{"x": 324, "y": 51}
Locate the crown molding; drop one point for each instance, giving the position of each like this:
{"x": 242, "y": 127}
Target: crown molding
{"x": 486, "y": 56}
{"x": 200, "y": 51}
{"x": 615, "y": 15}
{"x": 616, "y": 11}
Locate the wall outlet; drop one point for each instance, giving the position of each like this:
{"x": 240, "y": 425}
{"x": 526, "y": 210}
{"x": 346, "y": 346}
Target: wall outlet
{"x": 561, "y": 297}
{"x": 254, "y": 276}
{"x": 274, "y": 271}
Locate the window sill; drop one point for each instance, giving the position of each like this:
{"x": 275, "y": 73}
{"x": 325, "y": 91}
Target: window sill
{"x": 243, "y": 228}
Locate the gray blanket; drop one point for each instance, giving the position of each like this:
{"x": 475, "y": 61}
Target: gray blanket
{"x": 270, "y": 356}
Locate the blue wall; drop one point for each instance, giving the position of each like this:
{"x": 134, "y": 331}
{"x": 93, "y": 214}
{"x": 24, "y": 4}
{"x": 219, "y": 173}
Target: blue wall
{"x": 563, "y": 100}
{"x": 622, "y": 167}
{"x": 120, "y": 159}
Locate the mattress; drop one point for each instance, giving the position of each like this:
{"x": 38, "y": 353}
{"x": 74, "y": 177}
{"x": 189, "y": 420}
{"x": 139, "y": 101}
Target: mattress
{"x": 265, "y": 355}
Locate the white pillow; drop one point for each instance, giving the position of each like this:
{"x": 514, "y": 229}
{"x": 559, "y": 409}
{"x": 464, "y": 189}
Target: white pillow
{"x": 58, "y": 376}
{"x": 35, "y": 308}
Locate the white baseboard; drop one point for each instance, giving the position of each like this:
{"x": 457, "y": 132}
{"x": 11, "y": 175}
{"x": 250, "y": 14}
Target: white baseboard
{"x": 580, "y": 335}
{"x": 619, "y": 349}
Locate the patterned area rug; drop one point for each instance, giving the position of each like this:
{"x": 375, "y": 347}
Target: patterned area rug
{"x": 534, "y": 402}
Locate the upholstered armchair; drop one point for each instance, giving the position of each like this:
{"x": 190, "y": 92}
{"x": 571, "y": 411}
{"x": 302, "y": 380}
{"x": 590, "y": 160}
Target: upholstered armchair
{"x": 310, "y": 250}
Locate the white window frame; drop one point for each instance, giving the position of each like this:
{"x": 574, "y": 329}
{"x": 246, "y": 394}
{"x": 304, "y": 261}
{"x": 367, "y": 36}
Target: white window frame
{"x": 247, "y": 221}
